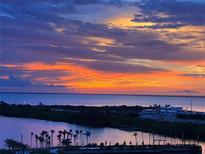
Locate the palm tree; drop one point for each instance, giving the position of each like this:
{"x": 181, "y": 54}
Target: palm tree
{"x": 59, "y": 137}
{"x": 68, "y": 135}
{"x": 71, "y": 133}
{"x": 41, "y": 140}
{"x": 77, "y": 133}
{"x": 64, "y": 133}
{"x": 22, "y": 138}
{"x": 149, "y": 138}
{"x": 36, "y": 138}
{"x": 15, "y": 145}
{"x": 87, "y": 134}
{"x": 42, "y": 134}
{"x": 81, "y": 138}
{"x": 153, "y": 139}
{"x": 64, "y": 136}
{"x": 75, "y": 138}
{"x": 52, "y": 132}
{"x": 142, "y": 138}
{"x": 135, "y": 135}
{"x": 47, "y": 140}
{"x": 31, "y": 139}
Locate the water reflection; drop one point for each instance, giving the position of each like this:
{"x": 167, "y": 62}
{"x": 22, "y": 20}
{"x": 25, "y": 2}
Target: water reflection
{"x": 14, "y": 127}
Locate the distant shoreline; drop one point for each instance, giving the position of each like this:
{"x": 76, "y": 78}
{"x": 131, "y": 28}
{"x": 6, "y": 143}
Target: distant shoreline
{"x": 145, "y": 95}
{"x": 120, "y": 117}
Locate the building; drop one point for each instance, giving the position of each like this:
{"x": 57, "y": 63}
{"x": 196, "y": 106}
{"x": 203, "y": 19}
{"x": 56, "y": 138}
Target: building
{"x": 167, "y": 113}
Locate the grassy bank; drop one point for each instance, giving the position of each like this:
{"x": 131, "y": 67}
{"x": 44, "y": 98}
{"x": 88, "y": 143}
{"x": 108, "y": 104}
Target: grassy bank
{"x": 123, "y": 117}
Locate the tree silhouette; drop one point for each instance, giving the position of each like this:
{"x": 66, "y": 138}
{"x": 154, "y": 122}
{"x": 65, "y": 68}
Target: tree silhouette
{"x": 15, "y": 145}
{"x": 36, "y": 138}
{"x": 31, "y": 140}
{"x": 59, "y": 137}
{"x": 87, "y": 134}
{"x": 135, "y": 135}
{"x": 81, "y": 137}
{"x": 52, "y": 132}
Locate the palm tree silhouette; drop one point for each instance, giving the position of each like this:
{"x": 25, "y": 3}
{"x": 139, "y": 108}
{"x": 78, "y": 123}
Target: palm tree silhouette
{"x": 135, "y": 135}
{"x": 15, "y": 145}
{"x": 149, "y": 138}
{"x": 77, "y": 133}
{"x": 64, "y": 136}
{"x": 142, "y": 138}
{"x": 31, "y": 140}
{"x": 47, "y": 140}
{"x": 59, "y": 137}
{"x": 36, "y": 138}
{"x": 81, "y": 138}
{"x": 71, "y": 134}
{"x": 75, "y": 138}
{"x": 64, "y": 133}
{"x": 52, "y": 132}
{"x": 87, "y": 134}
{"x": 67, "y": 135}
{"x": 41, "y": 140}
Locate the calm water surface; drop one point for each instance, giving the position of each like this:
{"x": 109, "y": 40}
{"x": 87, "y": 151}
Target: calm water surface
{"x": 14, "y": 127}
{"x": 99, "y": 100}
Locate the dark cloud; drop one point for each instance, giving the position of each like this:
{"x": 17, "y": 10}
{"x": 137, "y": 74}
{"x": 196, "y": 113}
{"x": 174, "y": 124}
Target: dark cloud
{"x": 86, "y": 2}
{"x": 25, "y": 81}
{"x": 116, "y": 66}
{"x": 18, "y": 76}
{"x": 194, "y": 75}
{"x": 45, "y": 10}
{"x": 15, "y": 82}
{"x": 185, "y": 91}
{"x": 179, "y": 13}
{"x": 33, "y": 35}
{"x": 34, "y": 41}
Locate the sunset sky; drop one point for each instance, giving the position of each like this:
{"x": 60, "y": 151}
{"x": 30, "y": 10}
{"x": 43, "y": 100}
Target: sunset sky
{"x": 103, "y": 46}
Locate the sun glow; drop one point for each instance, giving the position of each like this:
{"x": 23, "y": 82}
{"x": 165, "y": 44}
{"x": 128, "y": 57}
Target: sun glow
{"x": 126, "y": 22}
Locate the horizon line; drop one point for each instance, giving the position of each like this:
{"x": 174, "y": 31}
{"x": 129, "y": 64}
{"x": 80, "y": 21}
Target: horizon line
{"x": 118, "y": 94}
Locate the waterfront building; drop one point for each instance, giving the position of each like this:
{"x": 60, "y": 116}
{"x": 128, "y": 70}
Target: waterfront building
{"x": 162, "y": 113}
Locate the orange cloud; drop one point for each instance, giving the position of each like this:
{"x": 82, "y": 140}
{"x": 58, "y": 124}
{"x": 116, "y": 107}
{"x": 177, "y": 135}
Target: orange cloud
{"x": 86, "y": 80}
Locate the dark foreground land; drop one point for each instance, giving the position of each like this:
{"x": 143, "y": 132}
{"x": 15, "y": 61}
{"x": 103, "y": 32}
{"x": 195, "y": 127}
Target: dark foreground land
{"x": 122, "y": 117}
{"x": 163, "y": 149}
{"x": 146, "y": 149}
